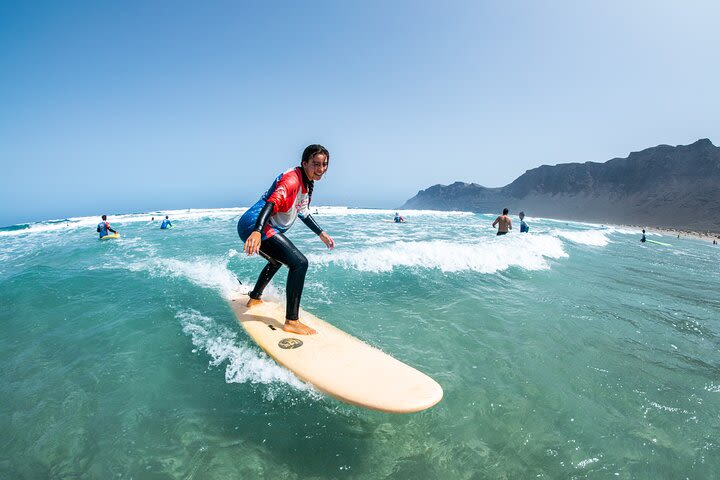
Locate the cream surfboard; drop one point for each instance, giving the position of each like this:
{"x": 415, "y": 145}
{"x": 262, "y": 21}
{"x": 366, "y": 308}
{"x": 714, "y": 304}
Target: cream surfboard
{"x": 337, "y": 363}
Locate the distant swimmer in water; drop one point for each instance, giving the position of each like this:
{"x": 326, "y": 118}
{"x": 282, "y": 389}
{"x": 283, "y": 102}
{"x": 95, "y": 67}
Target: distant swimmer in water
{"x": 643, "y": 239}
{"x": 104, "y": 227}
{"x": 523, "y": 226}
{"x": 262, "y": 227}
{"x": 399, "y": 218}
{"x": 503, "y": 222}
{"x": 152, "y": 219}
{"x": 166, "y": 223}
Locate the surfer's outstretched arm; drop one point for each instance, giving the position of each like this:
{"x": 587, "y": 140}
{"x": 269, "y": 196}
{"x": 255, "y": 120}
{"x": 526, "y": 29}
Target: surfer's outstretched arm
{"x": 310, "y": 222}
{"x": 312, "y": 225}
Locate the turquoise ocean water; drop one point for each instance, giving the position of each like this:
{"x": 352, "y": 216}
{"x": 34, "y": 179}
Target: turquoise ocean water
{"x": 573, "y": 351}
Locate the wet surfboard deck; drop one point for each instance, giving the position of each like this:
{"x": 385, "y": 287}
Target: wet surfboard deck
{"x": 336, "y": 363}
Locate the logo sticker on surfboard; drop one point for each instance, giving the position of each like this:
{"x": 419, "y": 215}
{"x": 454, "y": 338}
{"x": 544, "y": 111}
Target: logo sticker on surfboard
{"x": 288, "y": 343}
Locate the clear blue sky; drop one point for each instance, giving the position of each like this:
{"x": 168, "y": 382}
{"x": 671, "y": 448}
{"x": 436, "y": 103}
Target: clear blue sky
{"x": 145, "y": 105}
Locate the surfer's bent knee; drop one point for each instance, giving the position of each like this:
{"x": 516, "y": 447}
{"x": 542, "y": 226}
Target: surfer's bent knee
{"x": 301, "y": 262}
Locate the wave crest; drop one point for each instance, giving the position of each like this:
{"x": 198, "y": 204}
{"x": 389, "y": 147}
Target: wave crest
{"x": 528, "y": 253}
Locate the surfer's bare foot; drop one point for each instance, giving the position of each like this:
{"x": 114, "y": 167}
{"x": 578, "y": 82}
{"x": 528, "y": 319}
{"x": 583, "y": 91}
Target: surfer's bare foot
{"x": 253, "y": 302}
{"x": 294, "y": 326}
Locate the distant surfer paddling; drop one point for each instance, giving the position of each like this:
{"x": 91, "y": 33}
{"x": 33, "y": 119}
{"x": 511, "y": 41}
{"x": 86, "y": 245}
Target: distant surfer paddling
{"x": 503, "y": 222}
{"x": 104, "y": 227}
{"x": 262, "y": 227}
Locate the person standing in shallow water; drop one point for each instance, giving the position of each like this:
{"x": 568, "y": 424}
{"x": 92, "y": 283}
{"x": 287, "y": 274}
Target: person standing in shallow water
{"x": 523, "y": 226}
{"x": 262, "y": 227}
{"x": 504, "y": 223}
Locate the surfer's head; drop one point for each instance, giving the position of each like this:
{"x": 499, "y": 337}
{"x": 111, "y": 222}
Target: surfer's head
{"x": 505, "y": 211}
{"x": 315, "y": 161}
{"x": 104, "y": 217}
{"x": 521, "y": 215}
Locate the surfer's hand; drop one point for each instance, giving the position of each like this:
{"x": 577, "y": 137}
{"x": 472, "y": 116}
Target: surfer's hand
{"x": 252, "y": 244}
{"x": 327, "y": 240}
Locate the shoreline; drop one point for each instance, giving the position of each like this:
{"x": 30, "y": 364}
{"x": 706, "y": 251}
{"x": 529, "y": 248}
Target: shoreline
{"x": 674, "y": 232}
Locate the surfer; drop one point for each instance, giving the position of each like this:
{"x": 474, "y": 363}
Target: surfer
{"x": 398, "y": 218}
{"x": 262, "y": 227}
{"x": 643, "y": 239}
{"x": 104, "y": 226}
{"x": 504, "y": 223}
{"x": 523, "y": 226}
{"x": 166, "y": 223}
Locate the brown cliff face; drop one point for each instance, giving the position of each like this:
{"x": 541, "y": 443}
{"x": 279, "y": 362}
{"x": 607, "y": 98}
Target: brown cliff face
{"x": 663, "y": 186}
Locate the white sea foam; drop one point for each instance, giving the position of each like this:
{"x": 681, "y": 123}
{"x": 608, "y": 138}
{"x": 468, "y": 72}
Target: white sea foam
{"x": 341, "y": 211}
{"x": 623, "y": 231}
{"x": 244, "y": 364}
{"x": 187, "y": 214}
{"x": 125, "y": 219}
{"x": 587, "y": 462}
{"x": 595, "y": 238}
{"x": 205, "y": 272}
{"x": 192, "y": 214}
{"x": 497, "y": 254}
{"x": 48, "y": 227}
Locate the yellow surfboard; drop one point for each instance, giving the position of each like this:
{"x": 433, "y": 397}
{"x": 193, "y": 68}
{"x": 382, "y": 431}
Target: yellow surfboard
{"x": 337, "y": 363}
{"x": 108, "y": 237}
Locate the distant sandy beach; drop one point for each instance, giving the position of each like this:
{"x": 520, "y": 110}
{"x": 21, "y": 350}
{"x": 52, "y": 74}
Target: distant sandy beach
{"x": 706, "y": 236}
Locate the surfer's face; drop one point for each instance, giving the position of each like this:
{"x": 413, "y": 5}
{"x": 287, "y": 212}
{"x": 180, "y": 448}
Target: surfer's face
{"x": 316, "y": 167}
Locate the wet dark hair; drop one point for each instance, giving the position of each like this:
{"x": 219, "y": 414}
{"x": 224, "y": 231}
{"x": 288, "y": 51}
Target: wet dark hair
{"x": 104, "y": 217}
{"x": 308, "y": 154}
{"x": 505, "y": 211}
{"x": 312, "y": 150}
{"x": 166, "y": 216}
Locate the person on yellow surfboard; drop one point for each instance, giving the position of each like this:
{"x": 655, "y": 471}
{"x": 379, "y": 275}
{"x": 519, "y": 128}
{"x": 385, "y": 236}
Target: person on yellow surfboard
{"x": 104, "y": 227}
{"x": 263, "y": 225}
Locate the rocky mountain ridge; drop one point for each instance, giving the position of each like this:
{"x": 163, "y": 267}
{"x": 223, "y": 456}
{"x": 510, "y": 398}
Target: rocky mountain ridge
{"x": 663, "y": 186}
